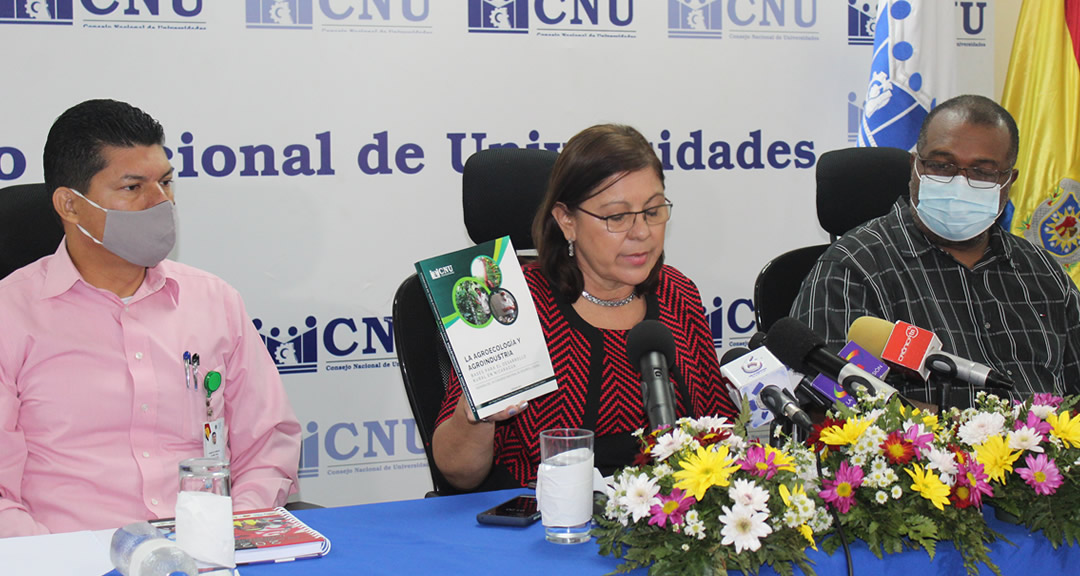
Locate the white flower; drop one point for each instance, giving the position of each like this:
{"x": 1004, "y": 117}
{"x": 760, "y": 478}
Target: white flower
{"x": 897, "y": 492}
{"x": 984, "y": 425}
{"x": 640, "y": 496}
{"x": 695, "y": 529}
{"x": 1042, "y": 410}
{"x": 735, "y": 443}
{"x": 685, "y": 547}
{"x": 870, "y": 441}
{"x": 662, "y": 471}
{"x": 713, "y": 423}
{"x": 1025, "y": 439}
{"x": 942, "y": 460}
{"x": 669, "y": 444}
{"x": 881, "y": 497}
{"x": 744, "y": 528}
{"x": 692, "y": 517}
{"x": 749, "y": 494}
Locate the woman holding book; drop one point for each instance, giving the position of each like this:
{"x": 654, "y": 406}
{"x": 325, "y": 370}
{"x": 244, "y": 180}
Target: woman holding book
{"x": 600, "y": 240}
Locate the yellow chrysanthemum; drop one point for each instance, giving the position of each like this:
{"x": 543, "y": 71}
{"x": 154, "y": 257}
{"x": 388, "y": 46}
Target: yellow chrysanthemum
{"x": 1064, "y": 428}
{"x": 926, "y": 483}
{"x": 705, "y": 469}
{"x": 780, "y": 458}
{"x": 786, "y": 494}
{"x": 807, "y": 533}
{"x": 996, "y": 457}
{"x": 844, "y": 435}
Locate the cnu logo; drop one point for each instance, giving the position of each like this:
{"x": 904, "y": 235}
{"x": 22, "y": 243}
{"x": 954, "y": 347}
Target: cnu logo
{"x": 295, "y": 14}
{"x": 738, "y": 319}
{"x": 411, "y": 11}
{"x": 295, "y": 350}
{"x": 346, "y": 442}
{"x": 695, "y": 18}
{"x": 181, "y": 8}
{"x": 862, "y": 18}
{"x": 36, "y": 12}
{"x": 499, "y": 16}
{"x": 972, "y": 17}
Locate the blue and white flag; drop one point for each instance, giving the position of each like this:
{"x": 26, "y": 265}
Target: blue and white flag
{"x": 914, "y": 68}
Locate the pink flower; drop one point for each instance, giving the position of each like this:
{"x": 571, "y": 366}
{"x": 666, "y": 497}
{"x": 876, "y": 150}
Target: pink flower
{"x": 759, "y": 462}
{"x": 919, "y": 441}
{"x": 1041, "y": 474}
{"x": 971, "y": 484}
{"x": 840, "y": 492}
{"x": 1035, "y": 423}
{"x": 671, "y": 508}
{"x": 1047, "y": 400}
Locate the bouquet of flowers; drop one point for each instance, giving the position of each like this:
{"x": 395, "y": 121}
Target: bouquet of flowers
{"x": 1028, "y": 455}
{"x": 897, "y": 481}
{"x": 701, "y": 499}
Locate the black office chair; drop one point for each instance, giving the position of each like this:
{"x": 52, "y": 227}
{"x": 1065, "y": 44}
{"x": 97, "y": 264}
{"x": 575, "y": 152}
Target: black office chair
{"x": 29, "y": 227}
{"x": 854, "y": 185}
{"x": 501, "y": 191}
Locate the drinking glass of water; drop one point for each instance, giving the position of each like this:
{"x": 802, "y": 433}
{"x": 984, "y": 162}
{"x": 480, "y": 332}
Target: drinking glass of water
{"x": 564, "y": 486}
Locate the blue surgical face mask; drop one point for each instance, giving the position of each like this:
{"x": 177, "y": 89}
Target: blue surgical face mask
{"x": 956, "y": 211}
{"x": 142, "y": 237}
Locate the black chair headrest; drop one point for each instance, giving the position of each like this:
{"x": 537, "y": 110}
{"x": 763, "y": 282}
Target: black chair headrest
{"x": 855, "y": 185}
{"x": 501, "y": 190}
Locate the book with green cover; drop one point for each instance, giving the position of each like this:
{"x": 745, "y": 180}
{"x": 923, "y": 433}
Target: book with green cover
{"x": 488, "y": 321}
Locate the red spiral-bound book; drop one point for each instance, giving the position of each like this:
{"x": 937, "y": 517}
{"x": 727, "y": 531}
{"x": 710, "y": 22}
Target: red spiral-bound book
{"x": 271, "y": 535}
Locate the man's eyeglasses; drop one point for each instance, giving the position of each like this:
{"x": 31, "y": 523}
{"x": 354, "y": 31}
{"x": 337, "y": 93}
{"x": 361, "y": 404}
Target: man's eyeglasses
{"x": 977, "y": 177}
{"x": 624, "y": 221}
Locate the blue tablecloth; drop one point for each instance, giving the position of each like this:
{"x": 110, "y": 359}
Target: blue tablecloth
{"x": 441, "y": 536}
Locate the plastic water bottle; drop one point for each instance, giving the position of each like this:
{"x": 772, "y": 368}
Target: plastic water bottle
{"x": 140, "y": 549}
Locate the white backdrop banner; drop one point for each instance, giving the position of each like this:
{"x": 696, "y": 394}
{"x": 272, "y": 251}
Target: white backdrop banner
{"x": 318, "y": 146}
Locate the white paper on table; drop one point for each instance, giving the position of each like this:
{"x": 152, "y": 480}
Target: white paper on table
{"x": 564, "y": 492}
{"x": 204, "y": 527}
{"x": 67, "y": 554}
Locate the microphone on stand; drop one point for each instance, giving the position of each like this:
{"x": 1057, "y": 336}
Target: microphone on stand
{"x": 650, "y": 346}
{"x": 796, "y": 345}
{"x": 783, "y": 404}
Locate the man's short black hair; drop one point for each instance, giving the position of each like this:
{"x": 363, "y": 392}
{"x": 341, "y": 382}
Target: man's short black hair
{"x": 978, "y": 110}
{"x": 73, "y": 150}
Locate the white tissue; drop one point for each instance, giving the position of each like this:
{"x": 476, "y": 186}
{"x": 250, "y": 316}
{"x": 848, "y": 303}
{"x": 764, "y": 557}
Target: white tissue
{"x": 564, "y": 488}
{"x": 204, "y": 527}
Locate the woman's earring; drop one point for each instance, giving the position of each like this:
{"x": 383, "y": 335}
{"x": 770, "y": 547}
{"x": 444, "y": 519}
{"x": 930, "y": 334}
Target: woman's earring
{"x": 570, "y": 249}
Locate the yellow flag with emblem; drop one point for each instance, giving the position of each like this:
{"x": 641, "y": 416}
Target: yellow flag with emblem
{"x": 1042, "y": 92}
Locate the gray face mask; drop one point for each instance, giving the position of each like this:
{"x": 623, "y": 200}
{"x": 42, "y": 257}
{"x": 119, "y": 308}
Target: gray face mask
{"x": 143, "y": 237}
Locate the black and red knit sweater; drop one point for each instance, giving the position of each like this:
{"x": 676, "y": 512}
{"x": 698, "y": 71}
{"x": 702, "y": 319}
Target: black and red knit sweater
{"x": 599, "y": 389}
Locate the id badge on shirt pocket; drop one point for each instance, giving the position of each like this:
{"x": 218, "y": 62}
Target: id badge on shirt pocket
{"x": 215, "y": 437}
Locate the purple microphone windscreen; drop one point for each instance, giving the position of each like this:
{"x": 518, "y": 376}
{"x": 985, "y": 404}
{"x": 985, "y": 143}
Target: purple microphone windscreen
{"x": 650, "y": 336}
{"x": 791, "y": 342}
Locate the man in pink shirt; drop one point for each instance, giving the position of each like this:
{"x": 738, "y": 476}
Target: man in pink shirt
{"x": 97, "y": 403}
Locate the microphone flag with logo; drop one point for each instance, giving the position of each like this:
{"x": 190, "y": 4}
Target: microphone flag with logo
{"x": 913, "y": 68}
{"x": 750, "y": 372}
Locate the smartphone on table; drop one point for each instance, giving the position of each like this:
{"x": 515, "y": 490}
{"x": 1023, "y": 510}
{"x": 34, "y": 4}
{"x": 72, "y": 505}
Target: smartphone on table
{"x": 518, "y": 511}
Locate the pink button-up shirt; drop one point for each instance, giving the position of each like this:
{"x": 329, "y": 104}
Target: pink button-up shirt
{"x": 95, "y": 411}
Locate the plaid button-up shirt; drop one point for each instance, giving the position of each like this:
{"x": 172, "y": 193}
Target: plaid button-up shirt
{"x": 1016, "y": 310}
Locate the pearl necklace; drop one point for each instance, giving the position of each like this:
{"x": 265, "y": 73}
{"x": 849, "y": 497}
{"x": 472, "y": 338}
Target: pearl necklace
{"x": 607, "y": 303}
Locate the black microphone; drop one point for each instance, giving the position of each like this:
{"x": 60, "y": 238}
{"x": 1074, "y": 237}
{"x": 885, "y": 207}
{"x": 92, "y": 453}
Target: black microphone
{"x": 782, "y": 403}
{"x": 978, "y": 375}
{"x": 805, "y": 392}
{"x": 732, "y": 355}
{"x": 650, "y": 346}
{"x": 796, "y": 345}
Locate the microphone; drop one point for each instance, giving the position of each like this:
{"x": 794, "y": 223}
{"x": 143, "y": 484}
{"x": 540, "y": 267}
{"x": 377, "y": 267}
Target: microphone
{"x": 795, "y": 344}
{"x": 807, "y": 391}
{"x": 919, "y": 350}
{"x": 750, "y": 371}
{"x": 782, "y": 403}
{"x": 650, "y": 346}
